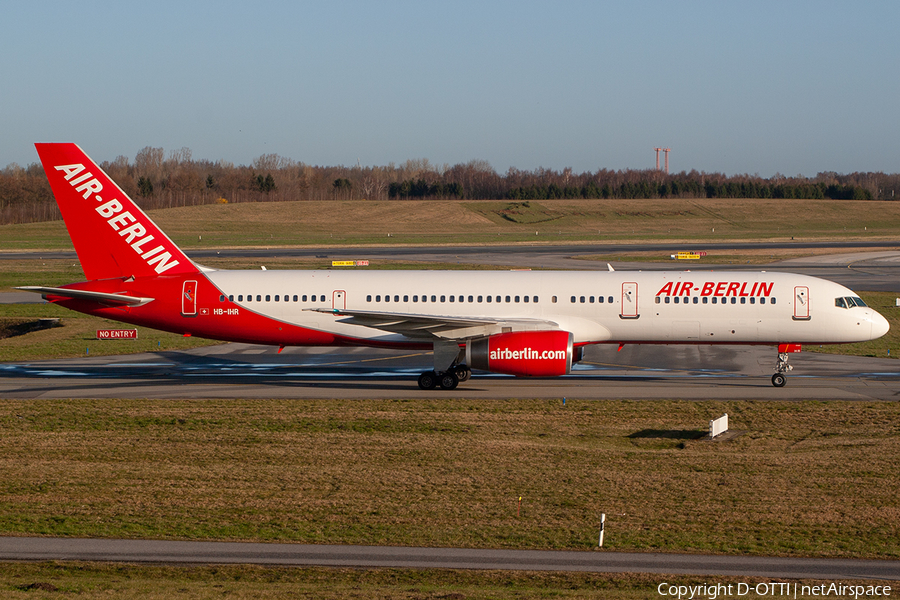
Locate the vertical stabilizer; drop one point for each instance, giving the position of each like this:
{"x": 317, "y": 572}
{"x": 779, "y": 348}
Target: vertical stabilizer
{"x": 112, "y": 235}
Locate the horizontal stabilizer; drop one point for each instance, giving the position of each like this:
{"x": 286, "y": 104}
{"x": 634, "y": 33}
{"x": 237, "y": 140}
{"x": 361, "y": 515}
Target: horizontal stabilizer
{"x": 101, "y": 297}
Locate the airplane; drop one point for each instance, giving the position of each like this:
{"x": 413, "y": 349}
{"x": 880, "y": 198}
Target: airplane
{"x": 523, "y": 323}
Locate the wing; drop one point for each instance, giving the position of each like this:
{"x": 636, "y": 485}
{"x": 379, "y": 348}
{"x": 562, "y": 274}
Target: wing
{"x": 55, "y": 294}
{"x": 436, "y": 326}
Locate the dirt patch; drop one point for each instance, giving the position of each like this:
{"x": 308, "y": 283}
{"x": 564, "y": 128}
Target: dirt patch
{"x": 15, "y": 327}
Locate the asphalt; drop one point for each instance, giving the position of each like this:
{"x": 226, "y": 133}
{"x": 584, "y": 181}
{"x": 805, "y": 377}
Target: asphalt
{"x": 598, "y": 561}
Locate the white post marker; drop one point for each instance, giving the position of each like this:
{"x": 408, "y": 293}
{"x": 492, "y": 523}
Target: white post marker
{"x": 602, "y": 525}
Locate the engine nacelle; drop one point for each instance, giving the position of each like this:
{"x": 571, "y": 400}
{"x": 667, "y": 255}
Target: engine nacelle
{"x": 523, "y": 353}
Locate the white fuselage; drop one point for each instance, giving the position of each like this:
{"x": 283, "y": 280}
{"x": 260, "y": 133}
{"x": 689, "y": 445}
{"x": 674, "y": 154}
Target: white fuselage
{"x": 596, "y": 307}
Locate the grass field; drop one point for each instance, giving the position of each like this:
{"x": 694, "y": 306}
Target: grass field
{"x": 472, "y": 222}
{"x": 805, "y": 479}
{"x": 24, "y": 581}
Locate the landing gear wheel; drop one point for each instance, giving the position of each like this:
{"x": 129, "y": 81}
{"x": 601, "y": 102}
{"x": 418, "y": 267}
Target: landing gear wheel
{"x": 463, "y": 373}
{"x": 778, "y": 380}
{"x": 428, "y": 380}
{"x": 449, "y": 381}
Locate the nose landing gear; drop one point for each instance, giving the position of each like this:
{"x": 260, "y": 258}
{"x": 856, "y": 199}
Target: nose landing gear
{"x": 782, "y": 366}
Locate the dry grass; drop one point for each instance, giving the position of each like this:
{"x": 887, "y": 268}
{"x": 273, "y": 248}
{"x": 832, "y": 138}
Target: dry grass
{"x": 807, "y": 479}
{"x": 89, "y": 581}
{"x": 462, "y": 221}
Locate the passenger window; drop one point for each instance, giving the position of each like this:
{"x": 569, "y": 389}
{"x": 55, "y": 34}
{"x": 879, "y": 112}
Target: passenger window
{"x": 507, "y": 299}
{"x": 553, "y": 299}
{"x": 470, "y": 298}
{"x": 369, "y": 298}
{"x": 762, "y": 300}
{"x": 696, "y": 300}
{"x": 535, "y": 299}
{"x": 573, "y": 299}
{"x": 415, "y": 298}
{"x": 443, "y": 298}
{"x": 489, "y": 298}
{"x": 231, "y": 298}
{"x": 715, "y": 300}
{"x": 600, "y": 299}
{"x": 525, "y": 298}
{"x": 276, "y": 297}
{"x": 295, "y": 297}
{"x": 705, "y": 300}
{"x": 610, "y": 299}
{"x": 500, "y": 299}
{"x": 517, "y": 299}
{"x": 268, "y": 298}
{"x": 304, "y": 298}
{"x": 406, "y": 298}
{"x": 451, "y": 298}
{"x": 668, "y": 299}
{"x": 676, "y": 300}
{"x": 591, "y": 299}
{"x": 258, "y": 298}
{"x": 240, "y": 297}
{"x": 772, "y": 301}
{"x": 479, "y": 298}
{"x": 743, "y": 301}
{"x": 752, "y": 300}
{"x": 221, "y": 298}
{"x": 657, "y": 299}
{"x": 434, "y": 298}
{"x": 378, "y": 298}
{"x": 733, "y": 300}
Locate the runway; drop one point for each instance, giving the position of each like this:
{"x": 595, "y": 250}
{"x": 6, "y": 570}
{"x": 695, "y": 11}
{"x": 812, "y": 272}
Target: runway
{"x": 637, "y": 372}
{"x": 598, "y": 561}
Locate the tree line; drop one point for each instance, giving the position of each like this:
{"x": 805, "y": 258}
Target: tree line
{"x": 155, "y": 180}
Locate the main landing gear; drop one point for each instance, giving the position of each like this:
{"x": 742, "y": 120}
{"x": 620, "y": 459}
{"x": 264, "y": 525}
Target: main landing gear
{"x": 447, "y": 373}
{"x": 781, "y": 367}
{"x": 447, "y": 380}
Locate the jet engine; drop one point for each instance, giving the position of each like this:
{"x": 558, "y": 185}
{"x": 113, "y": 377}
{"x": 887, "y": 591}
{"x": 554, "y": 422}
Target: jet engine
{"x": 523, "y": 353}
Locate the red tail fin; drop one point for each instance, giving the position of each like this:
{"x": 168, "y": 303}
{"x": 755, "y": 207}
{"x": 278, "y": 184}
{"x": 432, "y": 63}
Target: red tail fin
{"x": 112, "y": 235}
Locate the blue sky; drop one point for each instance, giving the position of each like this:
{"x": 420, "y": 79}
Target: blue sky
{"x": 736, "y": 87}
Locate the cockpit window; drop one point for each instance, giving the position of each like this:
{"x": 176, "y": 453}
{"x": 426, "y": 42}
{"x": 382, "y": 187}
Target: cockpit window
{"x": 849, "y": 302}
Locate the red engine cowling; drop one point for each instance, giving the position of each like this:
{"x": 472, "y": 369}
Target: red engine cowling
{"x": 523, "y": 353}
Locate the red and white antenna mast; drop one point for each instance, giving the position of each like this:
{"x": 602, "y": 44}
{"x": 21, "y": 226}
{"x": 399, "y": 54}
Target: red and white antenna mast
{"x": 666, "y": 150}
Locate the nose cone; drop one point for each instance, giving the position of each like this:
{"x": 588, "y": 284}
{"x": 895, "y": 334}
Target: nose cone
{"x": 880, "y": 325}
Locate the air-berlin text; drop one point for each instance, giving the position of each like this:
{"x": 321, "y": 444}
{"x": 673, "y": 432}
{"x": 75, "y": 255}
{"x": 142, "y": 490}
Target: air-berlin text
{"x": 125, "y": 223}
{"x": 717, "y": 288}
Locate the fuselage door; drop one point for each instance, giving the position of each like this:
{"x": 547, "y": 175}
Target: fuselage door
{"x": 801, "y": 303}
{"x": 189, "y": 299}
{"x": 629, "y": 308}
{"x": 339, "y": 299}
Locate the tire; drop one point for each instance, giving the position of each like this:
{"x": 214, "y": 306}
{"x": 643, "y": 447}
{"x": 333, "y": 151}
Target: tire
{"x": 778, "y": 380}
{"x": 428, "y": 380}
{"x": 449, "y": 381}
{"x": 463, "y": 373}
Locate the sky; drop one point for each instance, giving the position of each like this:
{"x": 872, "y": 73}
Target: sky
{"x": 760, "y": 87}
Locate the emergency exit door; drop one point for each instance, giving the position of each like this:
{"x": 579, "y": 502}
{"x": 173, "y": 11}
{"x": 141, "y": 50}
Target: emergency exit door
{"x": 339, "y": 300}
{"x": 189, "y": 299}
{"x": 629, "y": 301}
{"x": 801, "y": 303}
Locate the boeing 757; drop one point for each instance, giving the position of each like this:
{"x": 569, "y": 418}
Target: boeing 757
{"x": 523, "y": 323}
